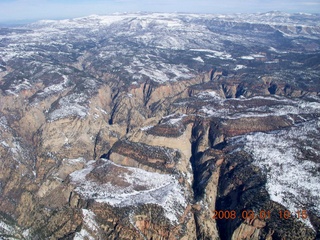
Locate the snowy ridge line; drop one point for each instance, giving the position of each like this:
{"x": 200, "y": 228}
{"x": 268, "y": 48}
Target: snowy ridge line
{"x": 290, "y": 106}
{"x": 265, "y": 18}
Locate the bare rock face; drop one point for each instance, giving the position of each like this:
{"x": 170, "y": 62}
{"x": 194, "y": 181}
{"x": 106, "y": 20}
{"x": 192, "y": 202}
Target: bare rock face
{"x": 139, "y": 154}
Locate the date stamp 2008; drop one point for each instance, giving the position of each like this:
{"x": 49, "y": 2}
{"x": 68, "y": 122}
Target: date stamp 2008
{"x": 262, "y": 214}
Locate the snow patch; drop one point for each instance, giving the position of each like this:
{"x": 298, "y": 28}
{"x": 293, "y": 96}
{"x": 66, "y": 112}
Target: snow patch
{"x": 5, "y": 228}
{"x": 258, "y": 56}
{"x": 238, "y": 67}
{"x": 55, "y": 87}
{"x": 89, "y": 220}
{"x": 70, "y": 106}
{"x": 216, "y": 54}
{"x": 199, "y": 59}
{"x": 155, "y": 75}
{"x": 247, "y": 57}
{"x": 291, "y": 180}
{"x": 285, "y": 107}
{"x": 175, "y": 120}
{"x": 209, "y": 94}
{"x": 5, "y": 144}
{"x": 146, "y": 128}
{"x": 161, "y": 189}
{"x": 83, "y": 235}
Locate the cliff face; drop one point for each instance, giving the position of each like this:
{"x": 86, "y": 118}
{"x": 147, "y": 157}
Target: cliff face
{"x": 161, "y": 177}
{"x": 92, "y": 146}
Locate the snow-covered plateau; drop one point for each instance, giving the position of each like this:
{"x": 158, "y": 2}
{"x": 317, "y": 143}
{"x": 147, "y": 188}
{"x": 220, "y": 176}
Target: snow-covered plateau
{"x": 132, "y": 187}
{"x": 285, "y": 157}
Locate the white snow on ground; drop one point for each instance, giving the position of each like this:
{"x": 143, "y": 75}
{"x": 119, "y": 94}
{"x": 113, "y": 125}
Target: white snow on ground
{"x": 4, "y": 144}
{"x": 155, "y": 75}
{"x": 275, "y": 50}
{"x": 247, "y": 57}
{"x": 55, "y": 87}
{"x": 73, "y": 161}
{"x": 24, "y": 85}
{"x": 26, "y": 233}
{"x": 238, "y": 67}
{"x": 173, "y": 118}
{"x": 285, "y": 107}
{"x": 161, "y": 189}
{"x": 291, "y": 180}
{"x": 89, "y": 220}
{"x": 199, "y": 59}
{"x": 212, "y": 112}
{"x": 209, "y": 94}
{"x": 16, "y": 88}
{"x": 214, "y": 54}
{"x": 146, "y": 128}
{"x": 3, "y": 124}
{"x": 258, "y": 56}
{"x": 89, "y": 224}
{"x": 74, "y": 110}
{"x": 173, "y": 121}
{"x": 83, "y": 235}
{"x": 158, "y": 72}
{"x": 70, "y": 106}
{"x": 90, "y": 21}
{"x": 5, "y": 228}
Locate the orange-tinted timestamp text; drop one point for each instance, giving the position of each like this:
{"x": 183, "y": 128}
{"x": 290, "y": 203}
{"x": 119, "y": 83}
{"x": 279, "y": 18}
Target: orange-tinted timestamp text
{"x": 262, "y": 214}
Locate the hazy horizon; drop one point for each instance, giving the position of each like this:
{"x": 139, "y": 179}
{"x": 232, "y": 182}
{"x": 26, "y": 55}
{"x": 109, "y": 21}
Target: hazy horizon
{"x": 19, "y": 11}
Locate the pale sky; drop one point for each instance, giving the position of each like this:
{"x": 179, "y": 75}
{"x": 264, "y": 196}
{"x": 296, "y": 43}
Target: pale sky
{"x": 11, "y": 10}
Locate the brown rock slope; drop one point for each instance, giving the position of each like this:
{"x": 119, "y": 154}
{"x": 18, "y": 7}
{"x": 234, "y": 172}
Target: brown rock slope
{"x": 167, "y": 161}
